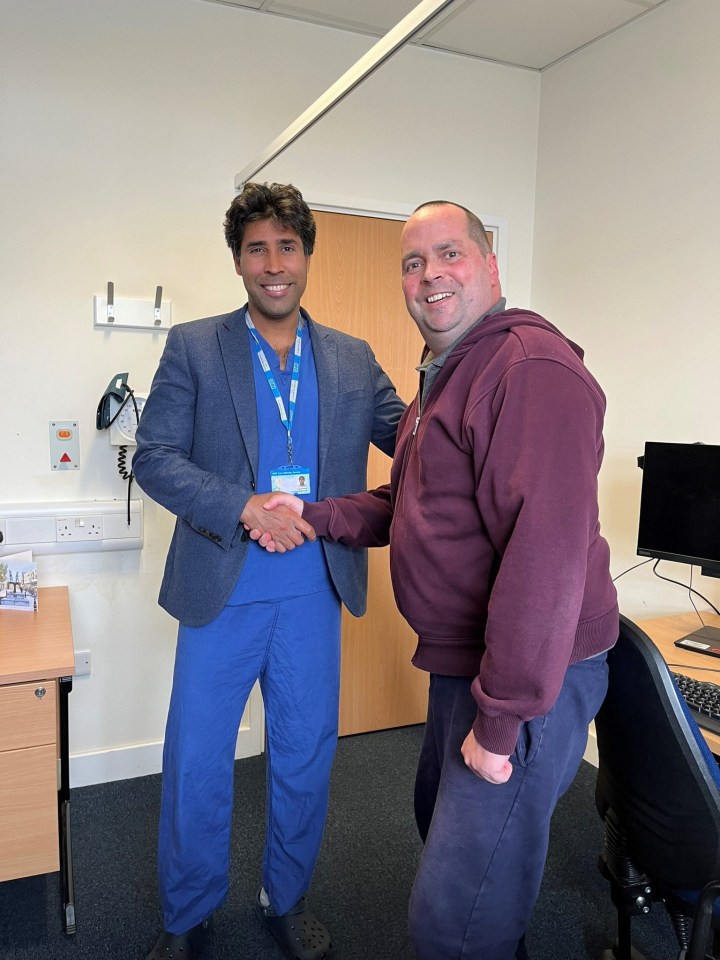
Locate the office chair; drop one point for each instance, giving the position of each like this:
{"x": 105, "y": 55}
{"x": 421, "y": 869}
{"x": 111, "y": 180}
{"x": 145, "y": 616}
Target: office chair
{"x": 658, "y": 794}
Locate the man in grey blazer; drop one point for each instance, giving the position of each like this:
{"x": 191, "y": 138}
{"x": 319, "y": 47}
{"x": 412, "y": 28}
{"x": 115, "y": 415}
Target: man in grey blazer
{"x": 262, "y": 399}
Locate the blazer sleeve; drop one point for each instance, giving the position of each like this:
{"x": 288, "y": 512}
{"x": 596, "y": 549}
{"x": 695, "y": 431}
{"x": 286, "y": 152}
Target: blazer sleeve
{"x": 189, "y": 488}
{"x": 389, "y": 408}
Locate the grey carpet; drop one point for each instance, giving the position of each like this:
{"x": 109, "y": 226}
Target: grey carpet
{"x": 361, "y": 883}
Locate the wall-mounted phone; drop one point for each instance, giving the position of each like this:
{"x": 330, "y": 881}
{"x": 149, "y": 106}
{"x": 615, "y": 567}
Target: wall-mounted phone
{"x": 119, "y": 411}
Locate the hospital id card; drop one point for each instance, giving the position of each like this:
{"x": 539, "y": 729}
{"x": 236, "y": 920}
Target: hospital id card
{"x": 295, "y": 480}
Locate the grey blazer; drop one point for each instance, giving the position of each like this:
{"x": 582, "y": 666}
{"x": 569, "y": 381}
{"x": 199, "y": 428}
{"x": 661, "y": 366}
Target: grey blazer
{"x": 197, "y": 453}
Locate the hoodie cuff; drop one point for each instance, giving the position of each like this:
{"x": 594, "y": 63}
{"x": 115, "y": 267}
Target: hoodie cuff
{"x": 497, "y": 734}
{"x": 318, "y": 516}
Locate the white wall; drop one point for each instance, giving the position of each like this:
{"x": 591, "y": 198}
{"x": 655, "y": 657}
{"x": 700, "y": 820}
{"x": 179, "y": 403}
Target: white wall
{"x": 627, "y": 250}
{"x": 123, "y": 127}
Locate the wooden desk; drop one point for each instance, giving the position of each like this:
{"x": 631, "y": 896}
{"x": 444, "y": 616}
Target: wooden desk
{"x": 664, "y": 631}
{"x": 36, "y": 667}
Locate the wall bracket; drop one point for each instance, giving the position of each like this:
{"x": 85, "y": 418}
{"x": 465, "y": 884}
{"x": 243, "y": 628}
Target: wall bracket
{"x": 128, "y": 314}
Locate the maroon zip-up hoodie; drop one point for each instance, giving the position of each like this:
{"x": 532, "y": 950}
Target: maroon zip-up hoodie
{"x": 492, "y": 517}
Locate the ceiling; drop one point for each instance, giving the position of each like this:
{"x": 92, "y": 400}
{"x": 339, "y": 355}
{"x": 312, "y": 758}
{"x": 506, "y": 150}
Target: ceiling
{"x": 523, "y": 33}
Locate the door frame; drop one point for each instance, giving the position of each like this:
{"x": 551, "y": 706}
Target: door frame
{"x": 387, "y": 210}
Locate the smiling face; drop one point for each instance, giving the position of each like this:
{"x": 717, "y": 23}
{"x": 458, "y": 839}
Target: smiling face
{"x": 448, "y": 281}
{"x": 274, "y": 269}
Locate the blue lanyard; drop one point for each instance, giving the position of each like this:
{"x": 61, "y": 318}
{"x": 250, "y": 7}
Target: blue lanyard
{"x": 286, "y": 418}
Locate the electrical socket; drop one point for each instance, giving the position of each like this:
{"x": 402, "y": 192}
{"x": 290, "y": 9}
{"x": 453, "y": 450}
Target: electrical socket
{"x": 50, "y": 526}
{"x": 83, "y": 661}
{"x": 79, "y": 528}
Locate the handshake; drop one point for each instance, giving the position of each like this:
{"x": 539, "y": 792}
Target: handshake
{"x": 275, "y": 521}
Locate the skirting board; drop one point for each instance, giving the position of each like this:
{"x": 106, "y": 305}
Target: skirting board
{"x": 139, "y": 760}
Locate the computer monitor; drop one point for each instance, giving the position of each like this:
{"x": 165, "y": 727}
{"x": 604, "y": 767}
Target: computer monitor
{"x": 680, "y": 508}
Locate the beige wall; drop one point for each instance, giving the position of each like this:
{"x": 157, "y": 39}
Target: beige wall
{"x": 627, "y": 249}
{"x": 123, "y": 127}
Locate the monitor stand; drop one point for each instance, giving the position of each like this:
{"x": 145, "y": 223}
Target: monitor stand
{"x": 704, "y": 640}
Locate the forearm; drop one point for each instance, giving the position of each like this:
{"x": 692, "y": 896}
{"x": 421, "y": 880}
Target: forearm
{"x": 357, "y": 520}
{"x": 538, "y": 498}
{"x": 170, "y": 465}
{"x": 202, "y": 499}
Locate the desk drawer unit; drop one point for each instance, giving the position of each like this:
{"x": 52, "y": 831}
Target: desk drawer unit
{"x": 28, "y": 779}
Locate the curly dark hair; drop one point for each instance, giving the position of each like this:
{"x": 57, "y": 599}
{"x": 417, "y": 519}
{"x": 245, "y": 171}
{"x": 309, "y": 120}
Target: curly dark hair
{"x": 280, "y": 202}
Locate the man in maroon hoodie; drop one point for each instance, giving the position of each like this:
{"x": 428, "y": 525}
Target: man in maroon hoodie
{"x": 498, "y": 564}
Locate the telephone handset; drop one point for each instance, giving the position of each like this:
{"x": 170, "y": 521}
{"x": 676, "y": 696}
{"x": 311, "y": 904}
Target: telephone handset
{"x": 117, "y": 389}
{"x": 119, "y": 410}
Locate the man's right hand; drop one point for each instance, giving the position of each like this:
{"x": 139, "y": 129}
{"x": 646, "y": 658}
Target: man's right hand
{"x": 488, "y": 766}
{"x": 277, "y": 500}
{"x": 286, "y": 529}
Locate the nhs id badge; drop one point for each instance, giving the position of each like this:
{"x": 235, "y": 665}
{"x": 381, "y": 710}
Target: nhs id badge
{"x": 295, "y": 480}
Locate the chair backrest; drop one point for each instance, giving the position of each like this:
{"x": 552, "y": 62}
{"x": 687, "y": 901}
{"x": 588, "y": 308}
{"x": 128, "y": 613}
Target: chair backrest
{"x": 655, "y": 770}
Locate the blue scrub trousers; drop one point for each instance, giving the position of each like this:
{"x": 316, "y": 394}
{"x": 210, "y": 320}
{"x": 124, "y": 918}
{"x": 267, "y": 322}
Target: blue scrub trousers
{"x": 293, "y": 647}
{"x": 486, "y": 844}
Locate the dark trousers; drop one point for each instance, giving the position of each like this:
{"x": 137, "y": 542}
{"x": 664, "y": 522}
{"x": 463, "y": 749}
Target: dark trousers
{"x": 486, "y": 844}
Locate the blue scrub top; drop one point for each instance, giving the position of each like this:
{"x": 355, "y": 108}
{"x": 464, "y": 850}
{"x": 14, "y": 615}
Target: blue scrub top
{"x": 275, "y": 576}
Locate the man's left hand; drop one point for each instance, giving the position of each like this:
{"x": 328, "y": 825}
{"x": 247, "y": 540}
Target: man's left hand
{"x": 488, "y": 766}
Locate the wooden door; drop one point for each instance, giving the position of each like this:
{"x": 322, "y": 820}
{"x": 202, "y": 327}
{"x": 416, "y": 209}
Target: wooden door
{"x": 354, "y": 286}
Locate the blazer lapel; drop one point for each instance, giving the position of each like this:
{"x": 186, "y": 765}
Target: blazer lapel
{"x": 235, "y": 351}
{"x": 327, "y": 367}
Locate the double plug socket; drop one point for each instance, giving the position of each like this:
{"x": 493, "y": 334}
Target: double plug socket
{"x": 79, "y": 528}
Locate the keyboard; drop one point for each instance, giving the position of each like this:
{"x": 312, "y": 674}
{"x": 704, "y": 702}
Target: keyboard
{"x": 703, "y": 699}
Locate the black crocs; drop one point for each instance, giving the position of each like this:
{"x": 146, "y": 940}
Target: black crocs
{"x": 182, "y": 946}
{"x": 298, "y": 933}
